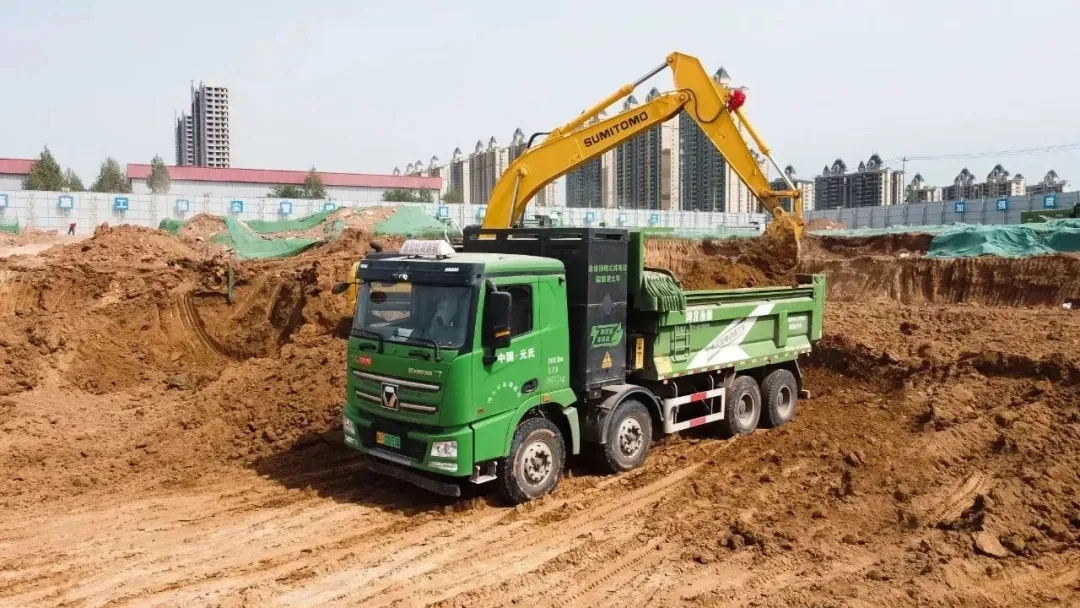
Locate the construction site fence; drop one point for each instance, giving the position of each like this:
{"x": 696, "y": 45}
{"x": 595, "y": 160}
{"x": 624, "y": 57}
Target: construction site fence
{"x": 1001, "y": 210}
{"x": 56, "y": 210}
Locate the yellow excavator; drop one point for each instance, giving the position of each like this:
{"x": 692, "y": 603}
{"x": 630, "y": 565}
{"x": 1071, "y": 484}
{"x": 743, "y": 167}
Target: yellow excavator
{"x": 711, "y": 104}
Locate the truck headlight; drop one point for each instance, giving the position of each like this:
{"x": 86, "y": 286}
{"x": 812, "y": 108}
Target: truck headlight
{"x": 444, "y": 449}
{"x": 348, "y": 425}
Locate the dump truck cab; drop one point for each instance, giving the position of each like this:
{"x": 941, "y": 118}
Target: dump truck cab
{"x": 447, "y": 351}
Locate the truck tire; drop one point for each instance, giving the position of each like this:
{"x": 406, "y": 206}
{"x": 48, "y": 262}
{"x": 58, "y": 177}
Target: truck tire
{"x": 781, "y": 393}
{"x": 535, "y": 462}
{"x": 743, "y": 409}
{"x": 629, "y": 437}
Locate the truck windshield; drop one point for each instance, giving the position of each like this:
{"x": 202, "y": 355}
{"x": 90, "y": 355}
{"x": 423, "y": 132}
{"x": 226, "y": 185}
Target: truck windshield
{"x": 411, "y": 312}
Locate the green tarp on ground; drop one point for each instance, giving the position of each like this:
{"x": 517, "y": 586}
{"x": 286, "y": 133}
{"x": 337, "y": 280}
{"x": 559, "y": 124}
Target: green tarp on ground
{"x": 412, "y": 222}
{"x": 9, "y": 227}
{"x": 248, "y": 245}
{"x": 1008, "y": 241}
{"x": 171, "y": 225}
{"x": 899, "y": 229}
{"x": 300, "y": 223}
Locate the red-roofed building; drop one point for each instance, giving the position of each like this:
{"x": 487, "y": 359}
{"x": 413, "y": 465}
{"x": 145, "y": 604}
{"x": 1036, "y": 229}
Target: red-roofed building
{"x": 13, "y": 171}
{"x": 256, "y": 183}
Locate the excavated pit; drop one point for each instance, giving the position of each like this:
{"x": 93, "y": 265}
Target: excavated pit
{"x": 939, "y": 449}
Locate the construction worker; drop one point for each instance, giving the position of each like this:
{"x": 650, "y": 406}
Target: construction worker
{"x": 71, "y": 228}
{"x": 446, "y": 325}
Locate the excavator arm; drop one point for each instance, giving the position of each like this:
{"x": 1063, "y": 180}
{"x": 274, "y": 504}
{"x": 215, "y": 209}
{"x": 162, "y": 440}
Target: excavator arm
{"x": 712, "y": 105}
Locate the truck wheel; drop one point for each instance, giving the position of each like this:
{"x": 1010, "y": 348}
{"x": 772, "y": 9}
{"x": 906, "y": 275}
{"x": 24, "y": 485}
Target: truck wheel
{"x": 535, "y": 462}
{"x": 743, "y": 409}
{"x": 781, "y": 393}
{"x": 629, "y": 437}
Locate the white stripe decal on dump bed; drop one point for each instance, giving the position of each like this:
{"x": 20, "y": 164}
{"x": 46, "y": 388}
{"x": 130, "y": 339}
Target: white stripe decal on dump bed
{"x": 726, "y": 346}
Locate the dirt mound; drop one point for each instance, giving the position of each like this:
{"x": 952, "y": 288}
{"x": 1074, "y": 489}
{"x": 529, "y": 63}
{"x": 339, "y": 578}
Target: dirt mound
{"x": 720, "y": 264}
{"x": 824, "y": 223}
{"x": 128, "y": 244}
{"x": 899, "y": 244}
{"x": 202, "y": 226}
{"x": 1035, "y": 281}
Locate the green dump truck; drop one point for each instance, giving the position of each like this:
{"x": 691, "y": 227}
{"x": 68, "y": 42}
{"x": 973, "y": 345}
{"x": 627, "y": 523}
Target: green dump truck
{"x": 494, "y": 361}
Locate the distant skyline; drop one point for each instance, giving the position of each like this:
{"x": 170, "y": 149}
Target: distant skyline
{"x": 363, "y": 86}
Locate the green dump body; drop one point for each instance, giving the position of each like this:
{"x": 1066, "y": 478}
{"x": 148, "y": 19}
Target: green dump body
{"x": 677, "y": 332}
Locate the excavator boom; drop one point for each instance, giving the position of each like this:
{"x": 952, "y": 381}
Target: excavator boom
{"x": 711, "y": 104}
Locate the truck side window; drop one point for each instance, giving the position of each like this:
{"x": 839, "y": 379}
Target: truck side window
{"x": 521, "y": 309}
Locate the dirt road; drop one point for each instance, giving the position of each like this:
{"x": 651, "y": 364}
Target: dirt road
{"x": 160, "y": 447}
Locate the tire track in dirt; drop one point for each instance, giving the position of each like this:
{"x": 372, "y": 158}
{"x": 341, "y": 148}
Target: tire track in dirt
{"x": 950, "y": 503}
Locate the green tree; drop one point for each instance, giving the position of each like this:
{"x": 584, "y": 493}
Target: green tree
{"x": 403, "y": 196}
{"x": 452, "y": 197}
{"x": 73, "y": 182}
{"x": 313, "y": 185}
{"x": 111, "y": 178}
{"x": 425, "y": 196}
{"x": 286, "y": 191}
{"x": 45, "y": 174}
{"x": 159, "y": 180}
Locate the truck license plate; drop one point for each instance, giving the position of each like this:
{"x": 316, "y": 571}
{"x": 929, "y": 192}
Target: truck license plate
{"x": 392, "y": 441}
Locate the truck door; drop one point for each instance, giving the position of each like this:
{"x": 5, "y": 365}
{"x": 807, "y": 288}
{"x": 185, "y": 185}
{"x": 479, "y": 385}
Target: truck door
{"x": 516, "y": 374}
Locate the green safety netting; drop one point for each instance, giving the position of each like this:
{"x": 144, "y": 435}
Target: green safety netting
{"x": 9, "y": 227}
{"x": 171, "y": 225}
{"x": 410, "y": 221}
{"x": 248, "y": 245}
{"x": 1009, "y": 241}
{"x": 300, "y": 223}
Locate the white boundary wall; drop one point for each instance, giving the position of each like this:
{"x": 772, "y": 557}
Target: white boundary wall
{"x": 49, "y": 211}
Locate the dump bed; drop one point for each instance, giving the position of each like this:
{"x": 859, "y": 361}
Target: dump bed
{"x": 677, "y": 332}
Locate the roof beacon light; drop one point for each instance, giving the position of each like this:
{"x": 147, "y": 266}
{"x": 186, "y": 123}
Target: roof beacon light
{"x": 427, "y": 248}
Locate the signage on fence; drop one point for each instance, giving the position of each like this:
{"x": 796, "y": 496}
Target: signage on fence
{"x": 444, "y": 212}
{"x": 3, "y": 201}
{"x": 590, "y": 217}
{"x": 329, "y": 206}
{"x": 285, "y": 207}
{"x": 120, "y": 203}
{"x": 1002, "y": 204}
{"x": 236, "y": 206}
{"x": 183, "y": 205}
{"x": 65, "y": 201}
{"x": 1049, "y": 201}
{"x": 958, "y": 206}
{"x": 654, "y": 219}
{"x": 622, "y": 219}
{"x": 481, "y": 211}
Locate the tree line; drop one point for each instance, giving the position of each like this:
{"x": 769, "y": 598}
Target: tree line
{"x": 46, "y": 175}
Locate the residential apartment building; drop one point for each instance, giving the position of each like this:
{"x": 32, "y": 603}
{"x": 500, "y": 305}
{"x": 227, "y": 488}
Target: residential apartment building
{"x": 998, "y": 183}
{"x": 592, "y": 185}
{"x": 805, "y": 186}
{"x": 872, "y": 185}
{"x": 185, "y": 141}
{"x": 486, "y": 166}
{"x": 647, "y": 166}
{"x": 202, "y": 137}
{"x": 1050, "y": 184}
{"x": 738, "y": 198}
{"x": 461, "y": 176}
{"x": 918, "y": 191}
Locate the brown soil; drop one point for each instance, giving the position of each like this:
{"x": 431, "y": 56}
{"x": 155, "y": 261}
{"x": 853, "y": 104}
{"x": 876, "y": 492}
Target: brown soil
{"x": 161, "y": 446}
{"x": 202, "y": 226}
{"x": 727, "y": 264}
{"x": 822, "y": 223}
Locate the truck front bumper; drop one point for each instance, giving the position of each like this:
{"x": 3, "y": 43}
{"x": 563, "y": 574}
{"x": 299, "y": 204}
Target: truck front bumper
{"x": 413, "y": 454}
{"x": 446, "y": 488}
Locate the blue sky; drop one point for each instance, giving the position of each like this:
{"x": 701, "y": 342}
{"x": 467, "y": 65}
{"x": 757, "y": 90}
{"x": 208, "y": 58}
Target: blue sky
{"x": 364, "y": 86}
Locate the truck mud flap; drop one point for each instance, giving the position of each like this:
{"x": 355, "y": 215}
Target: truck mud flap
{"x": 444, "y": 488}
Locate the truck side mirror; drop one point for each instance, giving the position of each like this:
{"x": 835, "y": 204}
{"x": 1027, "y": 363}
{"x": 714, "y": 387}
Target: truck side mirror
{"x": 497, "y": 319}
{"x": 340, "y": 288}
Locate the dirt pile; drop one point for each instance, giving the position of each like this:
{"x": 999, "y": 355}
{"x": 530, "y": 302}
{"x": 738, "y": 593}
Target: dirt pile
{"x": 721, "y": 264}
{"x": 202, "y": 227}
{"x": 824, "y": 223}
